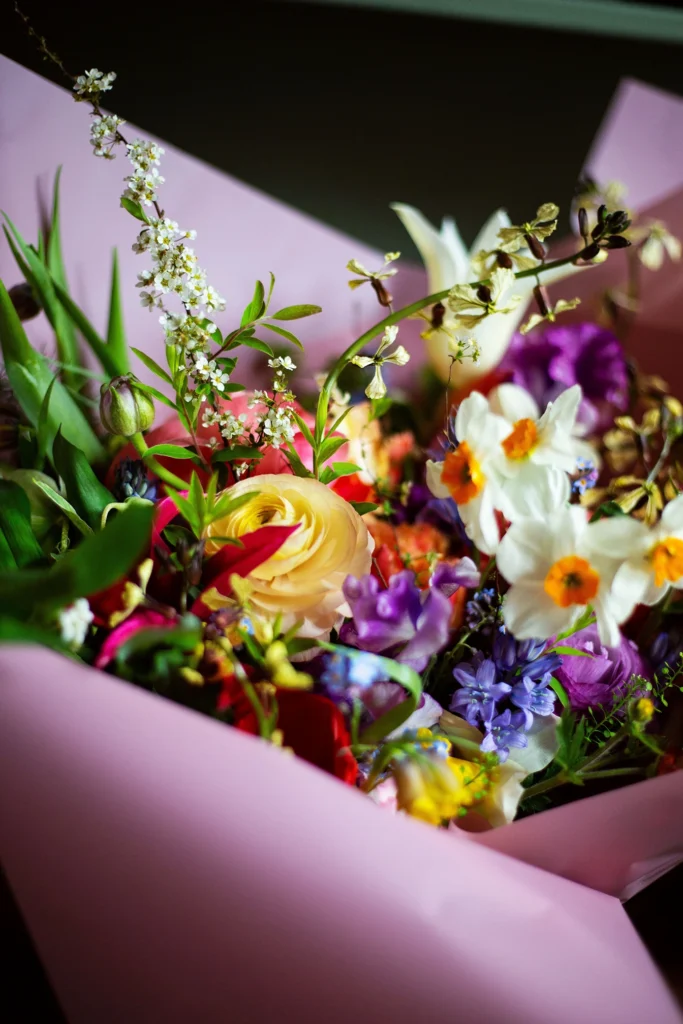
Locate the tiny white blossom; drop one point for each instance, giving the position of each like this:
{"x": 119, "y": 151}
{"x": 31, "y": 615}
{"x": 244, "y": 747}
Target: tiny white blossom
{"x": 92, "y": 83}
{"x": 218, "y": 378}
{"x": 149, "y": 299}
{"x": 277, "y": 427}
{"x": 104, "y": 134}
{"x": 232, "y": 426}
{"x": 144, "y": 155}
{"x": 282, "y": 363}
{"x": 74, "y": 621}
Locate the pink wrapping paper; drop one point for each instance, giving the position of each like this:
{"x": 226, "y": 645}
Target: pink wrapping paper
{"x": 173, "y": 869}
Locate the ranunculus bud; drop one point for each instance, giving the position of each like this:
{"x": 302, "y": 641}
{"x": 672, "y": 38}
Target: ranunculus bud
{"x": 125, "y": 409}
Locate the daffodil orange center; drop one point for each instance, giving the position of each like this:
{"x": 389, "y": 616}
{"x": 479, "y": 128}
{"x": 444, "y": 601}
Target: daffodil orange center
{"x": 521, "y": 440}
{"x": 572, "y": 580}
{"x": 462, "y": 474}
{"x": 667, "y": 560}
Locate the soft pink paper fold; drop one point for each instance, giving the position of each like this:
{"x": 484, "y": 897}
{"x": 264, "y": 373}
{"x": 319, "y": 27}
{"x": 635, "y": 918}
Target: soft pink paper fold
{"x": 172, "y": 869}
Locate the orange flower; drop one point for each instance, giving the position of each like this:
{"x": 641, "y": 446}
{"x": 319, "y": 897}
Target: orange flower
{"x": 406, "y": 546}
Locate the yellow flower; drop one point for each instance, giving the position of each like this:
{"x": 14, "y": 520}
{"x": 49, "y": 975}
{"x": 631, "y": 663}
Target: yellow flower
{"x": 303, "y": 580}
{"x": 435, "y": 789}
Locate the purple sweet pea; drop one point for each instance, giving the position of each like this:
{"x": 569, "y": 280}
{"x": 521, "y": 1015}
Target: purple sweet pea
{"x": 595, "y": 681}
{"x": 546, "y": 362}
{"x": 479, "y": 691}
{"x": 402, "y": 621}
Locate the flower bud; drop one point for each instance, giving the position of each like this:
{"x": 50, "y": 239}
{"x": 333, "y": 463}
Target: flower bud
{"x": 24, "y": 302}
{"x": 125, "y": 409}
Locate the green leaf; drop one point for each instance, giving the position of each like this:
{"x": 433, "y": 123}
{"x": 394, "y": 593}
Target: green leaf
{"x": 134, "y": 209}
{"x": 65, "y": 506}
{"x": 380, "y": 406}
{"x": 98, "y": 562}
{"x": 295, "y": 462}
{"x": 573, "y": 651}
{"x": 173, "y": 451}
{"x": 560, "y": 691}
{"x": 15, "y": 524}
{"x": 67, "y": 343}
{"x": 283, "y": 334}
{"x": 85, "y": 492}
{"x": 156, "y": 394}
{"x": 228, "y": 503}
{"x": 13, "y": 631}
{"x": 329, "y": 446}
{"x": 260, "y": 346}
{"x": 107, "y": 357}
{"x": 607, "y": 510}
{"x": 586, "y": 619}
{"x": 239, "y": 453}
{"x": 270, "y": 288}
{"x": 255, "y": 308}
{"x": 304, "y": 428}
{"x": 396, "y": 716}
{"x": 296, "y": 312}
{"x": 186, "y": 510}
{"x": 30, "y": 376}
{"x": 362, "y": 507}
{"x": 152, "y": 365}
{"x": 116, "y": 332}
{"x": 7, "y": 559}
{"x": 345, "y": 468}
{"x": 44, "y": 440}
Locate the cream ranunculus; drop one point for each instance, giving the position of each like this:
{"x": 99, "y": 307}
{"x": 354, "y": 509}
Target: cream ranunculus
{"x": 303, "y": 580}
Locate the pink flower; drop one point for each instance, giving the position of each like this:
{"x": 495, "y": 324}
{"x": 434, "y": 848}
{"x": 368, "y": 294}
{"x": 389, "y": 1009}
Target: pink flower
{"x": 136, "y": 622}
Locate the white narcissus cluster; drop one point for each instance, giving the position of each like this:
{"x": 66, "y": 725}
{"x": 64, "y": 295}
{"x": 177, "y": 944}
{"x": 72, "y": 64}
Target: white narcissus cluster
{"x": 449, "y": 263}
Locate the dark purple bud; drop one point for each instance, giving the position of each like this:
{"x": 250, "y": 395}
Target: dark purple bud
{"x": 590, "y": 252}
{"x": 21, "y": 297}
{"x": 616, "y": 242}
{"x": 504, "y": 260}
{"x": 484, "y": 293}
{"x": 383, "y": 296}
{"x": 541, "y": 297}
{"x": 602, "y": 214}
{"x": 537, "y": 248}
{"x": 438, "y": 313}
{"x": 583, "y": 224}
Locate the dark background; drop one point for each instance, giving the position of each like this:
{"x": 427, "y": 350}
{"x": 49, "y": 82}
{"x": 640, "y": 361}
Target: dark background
{"x": 339, "y": 111}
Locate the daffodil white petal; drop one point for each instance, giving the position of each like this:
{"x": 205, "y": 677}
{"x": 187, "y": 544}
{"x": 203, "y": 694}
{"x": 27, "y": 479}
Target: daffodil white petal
{"x": 563, "y": 411}
{"x": 514, "y": 403}
{"x": 533, "y": 492}
{"x": 528, "y": 612}
{"x": 542, "y": 745}
{"x": 672, "y": 517}
{"x": 615, "y": 537}
{"x": 634, "y": 584}
{"x": 526, "y": 550}
{"x": 471, "y": 409}
{"x": 433, "y": 477}
{"x": 479, "y": 519}
{"x": 608, "y": 628}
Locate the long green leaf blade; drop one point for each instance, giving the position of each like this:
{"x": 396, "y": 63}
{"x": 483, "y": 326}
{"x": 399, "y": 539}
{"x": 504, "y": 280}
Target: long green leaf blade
{"x": 116, "y": 332}
{"x": 67, "y": 343}
{"x": 107, "y": 357}
{"x": 15, "y": 524}
{"x": 85, "y": 492}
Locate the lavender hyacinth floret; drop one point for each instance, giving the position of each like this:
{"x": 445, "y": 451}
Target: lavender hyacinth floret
{"x": 503, "y": 732}
{"x": 479, "y": 690}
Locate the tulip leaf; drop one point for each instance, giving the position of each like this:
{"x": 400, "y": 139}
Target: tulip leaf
{"x": 67, "y": 343}
{"x": 560, "y": 692}
{"x": 98, "y": 562}
{"x": 43, "y": 428}
{"x": 109, "y": 359}
{"x": 296, "y": 312}
{"x": 30, "y": 376}
{"x": 15, "y": 524}
{"x": 65, "y": 506}
{"x": 85, "y": 492}
{"x": 116, "y": 332}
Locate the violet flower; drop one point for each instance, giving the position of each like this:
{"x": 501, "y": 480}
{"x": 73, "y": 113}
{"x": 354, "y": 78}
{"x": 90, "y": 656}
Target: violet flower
{"x": 504, "y": 732}
{"x": 596, "y": 680}
{"x": 401, "y": 621}
{"x": 533, "y": 698}
{"x": 479, "y": 691}
{"x": 546, "y": 362}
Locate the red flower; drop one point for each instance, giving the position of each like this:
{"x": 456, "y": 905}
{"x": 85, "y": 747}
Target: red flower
{"x": 312, "y": 726}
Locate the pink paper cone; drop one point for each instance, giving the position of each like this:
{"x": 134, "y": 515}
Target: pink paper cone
{"x": 172, "y": 869}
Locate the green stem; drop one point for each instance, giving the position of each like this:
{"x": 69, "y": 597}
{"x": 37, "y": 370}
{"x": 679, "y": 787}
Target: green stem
{"x": 394, "y": 318}
{"x": 141, "y": 448}
{"x": 583, "y": 771}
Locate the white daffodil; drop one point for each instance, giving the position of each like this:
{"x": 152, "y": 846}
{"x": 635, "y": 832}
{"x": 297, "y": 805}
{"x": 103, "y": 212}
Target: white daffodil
{"x": 538, "y": 451}
{"x": 559, "y": 567}
{"x": 467, "y": 474}
{"x": 500, "y": 804}
{"x": 449, "y": 263}
{"x": 655, "y": 563}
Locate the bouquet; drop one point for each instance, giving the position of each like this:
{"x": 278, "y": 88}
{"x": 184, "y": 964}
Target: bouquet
{"x": 461, "y": 601}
